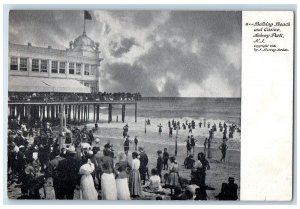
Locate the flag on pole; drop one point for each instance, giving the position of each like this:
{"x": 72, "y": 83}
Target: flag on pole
{"x": 87, "y": 15}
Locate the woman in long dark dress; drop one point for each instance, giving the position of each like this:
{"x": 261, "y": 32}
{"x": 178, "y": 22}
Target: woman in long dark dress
{"x": 135, "y": 187}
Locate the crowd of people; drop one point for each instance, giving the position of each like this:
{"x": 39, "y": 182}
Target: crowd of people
{"x": 45, "y": 170}
{"x": 58, "y": 97}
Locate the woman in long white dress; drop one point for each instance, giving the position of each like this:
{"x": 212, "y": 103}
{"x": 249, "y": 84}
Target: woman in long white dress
{"x": 122, "y": 167}
{"x": 108, "y": 181}
{"x": 87, "y": 187}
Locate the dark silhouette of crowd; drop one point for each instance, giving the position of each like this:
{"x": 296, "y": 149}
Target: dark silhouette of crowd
{"x": 45, "y": 170}
{"x": 58, "y": 97}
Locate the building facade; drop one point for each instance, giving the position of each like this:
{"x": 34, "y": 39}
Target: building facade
{"x": 81, "y": 61}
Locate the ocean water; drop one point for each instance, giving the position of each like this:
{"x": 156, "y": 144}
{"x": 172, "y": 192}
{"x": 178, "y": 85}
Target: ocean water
{"x": 161, "y": 110}
{"x": 224, "y": 109}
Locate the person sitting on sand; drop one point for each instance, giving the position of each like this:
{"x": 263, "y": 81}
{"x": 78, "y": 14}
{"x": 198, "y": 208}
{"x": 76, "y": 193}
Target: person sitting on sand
{"x": 201, "y": 193}
{"x": 177, "y": 193}
{"x": 154, "y": 184}
{"x": 228, "y": 190}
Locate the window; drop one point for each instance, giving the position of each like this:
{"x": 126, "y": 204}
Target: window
{"x": 86, "y": 69}
{"x": 62, "y": 67}
{"x": 35, "y": 65}
{"x": 44, "y": 66}
{"x": 54, "y": 67}
{"x": 93, "y": 69}
{"x": 78, "y": 69}
{"x": 23, "y": 64}
{"x": 13, "y": 63}
{"x": 71, "y": 68}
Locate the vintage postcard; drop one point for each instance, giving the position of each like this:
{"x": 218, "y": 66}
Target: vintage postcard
{"x": 147, "y": 105}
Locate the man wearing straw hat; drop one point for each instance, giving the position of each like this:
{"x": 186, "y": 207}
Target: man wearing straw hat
{"x": 67, "y": 170}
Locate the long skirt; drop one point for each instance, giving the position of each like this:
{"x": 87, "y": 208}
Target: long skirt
{"x": 122, "y": 189}
{"x": 87, "y": 188}
{"x": 108, "y": 186}
{"x": 174, "y": 179}
{"x": 135, "y": 187}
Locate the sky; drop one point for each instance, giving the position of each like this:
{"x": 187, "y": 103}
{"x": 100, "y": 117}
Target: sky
{"x": 156, "y": 53}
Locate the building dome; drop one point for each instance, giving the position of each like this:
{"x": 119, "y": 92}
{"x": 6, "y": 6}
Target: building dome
{"x": 84, "y": 43}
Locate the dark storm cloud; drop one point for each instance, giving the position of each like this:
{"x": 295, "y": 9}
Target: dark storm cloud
{"x": 173, "y": 51}
{"x": 124, "y": 46}
{"x": 43, "y": 27}
{"x": 131, "y": 78}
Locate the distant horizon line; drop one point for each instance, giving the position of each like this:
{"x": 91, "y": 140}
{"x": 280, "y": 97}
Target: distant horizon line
{"x": 191, "y": 97}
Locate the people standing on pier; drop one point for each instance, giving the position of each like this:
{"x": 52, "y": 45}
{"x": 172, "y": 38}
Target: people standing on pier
{"x": 223, "y": 147}
{"x": 159, "y": 128}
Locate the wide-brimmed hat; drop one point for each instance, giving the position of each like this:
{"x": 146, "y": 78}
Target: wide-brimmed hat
{"x": 71, "y": 149}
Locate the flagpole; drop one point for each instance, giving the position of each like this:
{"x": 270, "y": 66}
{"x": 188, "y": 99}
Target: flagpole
{"x": 83, "y": 22}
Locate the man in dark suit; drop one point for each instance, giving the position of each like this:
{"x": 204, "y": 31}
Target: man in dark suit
{"x": 67, "y": 170}
{"x": 143, "y": 164}
{"x": 52, "y": 171}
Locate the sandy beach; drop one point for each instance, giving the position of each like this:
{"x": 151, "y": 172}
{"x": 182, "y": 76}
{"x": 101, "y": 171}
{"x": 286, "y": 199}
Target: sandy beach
{"x": 153, "y": 141}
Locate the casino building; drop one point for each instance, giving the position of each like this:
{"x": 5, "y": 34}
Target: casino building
{"x": 38, "y": 69}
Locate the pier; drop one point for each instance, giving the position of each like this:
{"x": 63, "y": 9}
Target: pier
{"x": 74, "y": 112}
